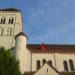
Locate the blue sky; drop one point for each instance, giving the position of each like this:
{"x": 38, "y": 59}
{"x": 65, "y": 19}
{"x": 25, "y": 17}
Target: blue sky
{"x": 46, "y": 21}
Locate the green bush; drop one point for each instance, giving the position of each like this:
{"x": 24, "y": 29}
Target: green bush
{"x": 8, "y": 63}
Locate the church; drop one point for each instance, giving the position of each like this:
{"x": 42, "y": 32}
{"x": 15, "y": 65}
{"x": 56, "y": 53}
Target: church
{"x": 34, "y": 59}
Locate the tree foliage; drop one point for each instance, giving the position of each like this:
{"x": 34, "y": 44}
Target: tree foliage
{"x": 8, "y": 63}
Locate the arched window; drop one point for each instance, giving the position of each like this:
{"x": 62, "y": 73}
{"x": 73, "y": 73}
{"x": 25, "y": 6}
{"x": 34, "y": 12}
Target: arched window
{"x": 65, "y": 65}
{"x": 2, "y": 20}
{"x": 50, "y": 62}
{"x": 43, "y": 61}
{"x": 1, "y": 31}
{"x": 71, "y": 65}
{"x": 9, "y": 31}
{"x": 38, "y": 64}
{"x": 11, "y": 20}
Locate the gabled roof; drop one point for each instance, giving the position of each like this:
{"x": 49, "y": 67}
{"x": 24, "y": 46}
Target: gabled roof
{"x": 46, "y": 48}
{"x": 10, "y": 9}
{"x": 53, "y": 67}
{"x": 50, "y": 66}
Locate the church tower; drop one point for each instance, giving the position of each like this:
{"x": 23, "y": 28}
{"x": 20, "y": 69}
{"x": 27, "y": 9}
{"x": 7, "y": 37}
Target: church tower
{"x": 22, "y": 53}
{"x": 10, "y": 25}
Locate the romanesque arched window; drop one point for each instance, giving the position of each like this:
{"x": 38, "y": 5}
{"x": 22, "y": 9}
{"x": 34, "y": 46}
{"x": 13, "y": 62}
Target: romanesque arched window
{"x": 43, "y": 61}
{"x": 71, "y": 65}
{"x": 65, "y": 65}
{"x": 50, "y": 62}
{"x": 9, "y": 31}
{"x": 38, "y": 64}
{"x": 11, "y": 20}
{"x": 3, "y": 19}
{"x": 1, "y": 31}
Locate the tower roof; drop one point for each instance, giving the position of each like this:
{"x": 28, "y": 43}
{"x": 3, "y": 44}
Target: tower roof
{"x": 10, "y": 9}
{"x": 21, "y": 33}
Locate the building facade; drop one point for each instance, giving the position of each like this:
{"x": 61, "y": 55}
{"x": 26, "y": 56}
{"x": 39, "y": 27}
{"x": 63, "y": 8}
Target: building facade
{"x": 10, "y": 25}
{"x": 36, "y": 59}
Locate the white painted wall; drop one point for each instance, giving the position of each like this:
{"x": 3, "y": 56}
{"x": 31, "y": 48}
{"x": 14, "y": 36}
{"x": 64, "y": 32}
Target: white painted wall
{"x": 60, "y": 57}
{"x": 57, "y": 59}
{"x": 41, "y": 56}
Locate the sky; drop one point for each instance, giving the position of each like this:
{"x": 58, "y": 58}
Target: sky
{"x": 46, "y": 21}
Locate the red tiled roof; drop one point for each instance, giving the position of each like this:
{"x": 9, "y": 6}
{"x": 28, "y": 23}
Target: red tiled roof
{"x": 45, "y": 48}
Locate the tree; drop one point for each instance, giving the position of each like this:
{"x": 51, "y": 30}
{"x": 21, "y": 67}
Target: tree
{"x": 8, "y": 63}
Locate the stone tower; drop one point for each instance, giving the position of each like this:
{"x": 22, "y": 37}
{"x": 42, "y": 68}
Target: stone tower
{"x": 22, "y": 53}
{"x": 10, "y": 25}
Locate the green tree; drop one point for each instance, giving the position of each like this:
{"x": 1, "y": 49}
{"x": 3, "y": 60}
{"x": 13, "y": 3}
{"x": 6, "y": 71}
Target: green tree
{"x": 8, "y": 63}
